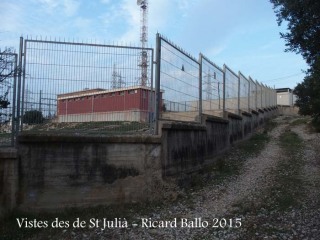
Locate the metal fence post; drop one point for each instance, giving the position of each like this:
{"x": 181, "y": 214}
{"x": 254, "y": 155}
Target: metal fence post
{"x": 157, "y": 83}
{"x": 249, "y": 90}
{"x": 200, "y": 88}
{"x": 13, "y": 117}
{"x": 20, "y": 70}
{"x": 262, "y": 96}
{"x": 23, "y": 71}
{"x": 238, "y": 93}
{"x": 151, "y": 100}
{"x": 224, "y": 90}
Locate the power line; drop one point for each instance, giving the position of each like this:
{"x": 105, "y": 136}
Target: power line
{"x": 284, "y": 77}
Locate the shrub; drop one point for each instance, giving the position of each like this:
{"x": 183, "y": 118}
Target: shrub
{"x": 32, "y": 117}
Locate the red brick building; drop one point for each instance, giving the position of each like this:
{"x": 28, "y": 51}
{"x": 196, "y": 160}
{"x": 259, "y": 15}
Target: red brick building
{"x": 123, "y": 104}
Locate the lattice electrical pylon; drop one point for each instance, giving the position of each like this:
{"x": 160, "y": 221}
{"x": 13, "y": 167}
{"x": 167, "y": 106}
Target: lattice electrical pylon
{"x": 143, "y": 60}
{"x": 209, "y": 87}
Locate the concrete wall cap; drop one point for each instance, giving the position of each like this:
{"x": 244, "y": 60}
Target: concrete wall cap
{"x": 254, "y": 112}
{"x": 233, "y": 115}
{"x": 183, "y": 126}
{"x": 216, "y": 119}
{"x": 246, "y": 114}
{"x": 27, "y": 137}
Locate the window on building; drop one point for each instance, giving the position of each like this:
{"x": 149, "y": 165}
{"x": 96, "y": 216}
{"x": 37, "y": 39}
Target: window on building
{"x": 132, "y": 91}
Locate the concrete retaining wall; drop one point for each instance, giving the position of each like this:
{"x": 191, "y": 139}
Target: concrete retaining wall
{"x": 247, "y": 126}
{"x": 235, "y": 127}
{"x": 53, "y": 172}
{"x": 58, "y": 172}
{"x": 187, "y": 148}
{"x": 255, "y": 119}
{"x": 8, "y": 180}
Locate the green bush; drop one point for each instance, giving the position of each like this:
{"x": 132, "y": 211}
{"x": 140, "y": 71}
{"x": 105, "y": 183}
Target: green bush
{"x": 32, "y": 117}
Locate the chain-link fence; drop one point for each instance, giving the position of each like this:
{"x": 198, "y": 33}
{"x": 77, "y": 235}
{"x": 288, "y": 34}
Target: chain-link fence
{"x": 178, "y": 83}
{"x": 187, "y": 88}
{"x": 252, "y": 95}
{"x": 83, "y": 89}
{"x": 212, "y": 87}
{"x": 86, "y": 88}
{"x": 244, "y": 97}
{"x": 231, "y": 90}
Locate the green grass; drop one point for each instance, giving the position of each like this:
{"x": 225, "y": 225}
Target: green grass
{"x": 230, "y": 163}
{"x": 299, "y": 121}
{"x": 287, "y": 190}
{"x": 269, "y": 126}
{"x": 290, "y": 184}
{"x": 5, "y": 139}
{"x": 291, "y": 143}
{"x": 254, "y": 145}
{"x": 91, "y": 128}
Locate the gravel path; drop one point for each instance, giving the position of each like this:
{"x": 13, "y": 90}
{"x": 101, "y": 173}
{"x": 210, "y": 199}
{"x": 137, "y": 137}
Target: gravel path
{"x": 250, "y": 198}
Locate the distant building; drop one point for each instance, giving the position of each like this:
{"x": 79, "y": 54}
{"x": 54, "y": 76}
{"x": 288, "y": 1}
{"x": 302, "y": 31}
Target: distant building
{"x": 285, "y": 97}
{"x": 122, "y": 104}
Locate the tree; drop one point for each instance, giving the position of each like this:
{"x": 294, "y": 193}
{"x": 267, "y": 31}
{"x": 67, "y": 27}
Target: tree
{"x": 33, "y": 117}
{"x": 8, "y": 70}
{"x": 303, "y": 37}
{"x": 307, "y": 92}
{"x": 303, "y": 18}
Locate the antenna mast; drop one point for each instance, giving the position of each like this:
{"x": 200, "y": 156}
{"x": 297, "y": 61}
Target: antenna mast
{"x": 143, "y": 61}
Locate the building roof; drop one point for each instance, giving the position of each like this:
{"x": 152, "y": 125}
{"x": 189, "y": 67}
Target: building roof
{"x": 83, "y": 92}
{"x": 96, "y": 91}
{"x": 279, "y": 90}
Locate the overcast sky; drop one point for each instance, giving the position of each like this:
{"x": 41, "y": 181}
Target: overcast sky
{"x": 240, "y": 33}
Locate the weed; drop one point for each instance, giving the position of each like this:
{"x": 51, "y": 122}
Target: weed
{"x": 269, "y": 126}
{"x": 91, "y": 128}
{"x": 229, "y": 164}
{"x": 290, "y": 142}
{"x": 254, "y": 145}
{"x": 299, "y": 121}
